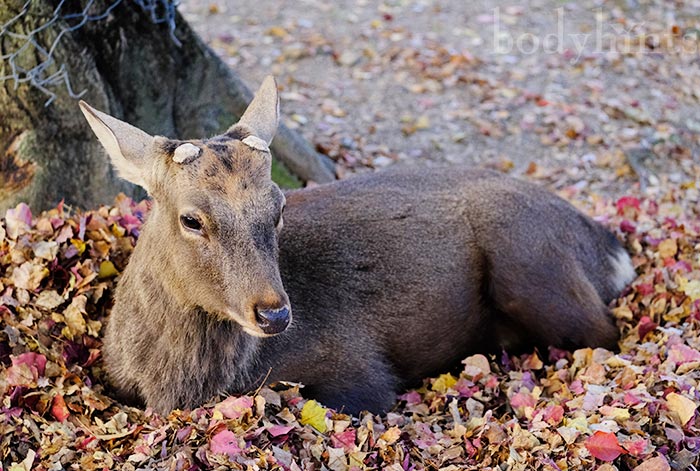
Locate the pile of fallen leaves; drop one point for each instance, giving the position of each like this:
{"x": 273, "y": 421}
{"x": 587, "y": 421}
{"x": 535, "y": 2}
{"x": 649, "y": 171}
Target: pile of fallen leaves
{"x": 557, "y": 410}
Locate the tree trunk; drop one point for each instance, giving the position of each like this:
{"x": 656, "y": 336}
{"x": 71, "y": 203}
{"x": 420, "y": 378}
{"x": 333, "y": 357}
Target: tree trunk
{"x": 130, "y": 68}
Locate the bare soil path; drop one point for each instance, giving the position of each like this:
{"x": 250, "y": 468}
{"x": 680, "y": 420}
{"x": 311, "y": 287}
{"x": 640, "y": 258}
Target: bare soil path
{"x": 583, "y": 93}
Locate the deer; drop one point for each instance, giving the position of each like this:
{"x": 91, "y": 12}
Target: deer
{"x": 357, "y": 289}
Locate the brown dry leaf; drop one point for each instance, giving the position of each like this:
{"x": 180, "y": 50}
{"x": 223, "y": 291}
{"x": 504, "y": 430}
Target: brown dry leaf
{"x": 657, "y": 463}
{"x": 74, "y": 316}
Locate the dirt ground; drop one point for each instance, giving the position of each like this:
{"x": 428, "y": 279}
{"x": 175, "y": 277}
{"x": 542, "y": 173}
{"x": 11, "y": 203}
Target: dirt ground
{"x": 579, "y": 93}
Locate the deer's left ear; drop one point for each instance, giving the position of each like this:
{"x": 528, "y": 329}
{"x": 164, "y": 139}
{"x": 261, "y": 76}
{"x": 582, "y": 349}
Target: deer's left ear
{"x": 263, "y": 114}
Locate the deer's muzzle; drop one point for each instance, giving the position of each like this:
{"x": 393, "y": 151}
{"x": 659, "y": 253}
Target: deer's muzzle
{"x": 273, "y": 321}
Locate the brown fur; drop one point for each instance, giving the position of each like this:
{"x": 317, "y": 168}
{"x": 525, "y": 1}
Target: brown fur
{"x": 392, "y": 277}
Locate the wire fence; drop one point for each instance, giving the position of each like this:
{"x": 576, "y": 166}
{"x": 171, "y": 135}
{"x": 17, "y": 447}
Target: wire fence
{"x": 46, "y": 75}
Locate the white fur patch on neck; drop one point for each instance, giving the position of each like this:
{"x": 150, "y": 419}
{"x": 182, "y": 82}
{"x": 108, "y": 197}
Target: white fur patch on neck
{"x": 256, "y": 143}
{"x": 186, "y": 153}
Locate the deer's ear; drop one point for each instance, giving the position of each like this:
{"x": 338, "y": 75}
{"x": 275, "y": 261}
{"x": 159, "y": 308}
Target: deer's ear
{"x": 128, "y": 147}
{"x": 263, "y": 114}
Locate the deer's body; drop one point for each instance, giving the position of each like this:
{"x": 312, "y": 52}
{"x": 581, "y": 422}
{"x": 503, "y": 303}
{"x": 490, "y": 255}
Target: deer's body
{"x": 392, "y": 277}
{"x": 422, "y": 269}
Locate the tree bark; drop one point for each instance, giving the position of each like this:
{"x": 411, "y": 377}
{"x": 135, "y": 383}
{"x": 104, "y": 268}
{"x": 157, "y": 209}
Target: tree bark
{"x": 132, "y": 69}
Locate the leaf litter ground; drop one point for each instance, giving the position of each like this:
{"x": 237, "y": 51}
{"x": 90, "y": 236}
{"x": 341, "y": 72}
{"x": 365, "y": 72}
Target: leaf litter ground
{"x": 554, "y": 410}
{"x": 373, "y": 83}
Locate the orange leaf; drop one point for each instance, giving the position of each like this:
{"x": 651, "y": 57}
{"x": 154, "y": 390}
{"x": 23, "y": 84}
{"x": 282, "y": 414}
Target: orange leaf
{"x": 59, "y": 409}
{"x": 604, "y": 446}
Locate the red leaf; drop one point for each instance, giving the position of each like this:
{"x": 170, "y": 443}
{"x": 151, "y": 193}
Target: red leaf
{"x": 553, "y": 414}
{"x": 59, "y": 409}
{"x": 645, "y": 288}
{"x": 645, "y": 326}
{"x": 345, "y": 440}
{"x": 604, "y": 446}
{"x": 628, "y": 227}
{"x": 636, "y": 447}
{"x": 626, "y": 202}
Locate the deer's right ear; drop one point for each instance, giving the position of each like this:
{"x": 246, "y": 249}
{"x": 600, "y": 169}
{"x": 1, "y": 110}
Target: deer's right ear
{"x": 128, "y": 147}
{"x": 263, "y": 114}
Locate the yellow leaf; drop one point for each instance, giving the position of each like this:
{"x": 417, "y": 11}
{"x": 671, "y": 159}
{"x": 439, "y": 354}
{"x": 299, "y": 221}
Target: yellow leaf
{"x": 443, "y": 383}
{"x": 117, "y": 230}
{"x": 691, "y": 288}
{"x": 78, "y": 244}
{"x": 668, "y": 248}
{"x": 681, "y": 405}
{"x": 579, "y": 423}
{"x": 423, "y": 122}
{"x": 277, "y": 31}
{"x": 107, "y": 270}
{"x": 314, "y": 414}
{"x": 623, "y": 312}
{"x": 357, "y": 459}
{"x": 618, "y": 414}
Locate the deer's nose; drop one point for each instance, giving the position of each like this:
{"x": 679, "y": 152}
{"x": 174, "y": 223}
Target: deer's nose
{"x": 273, "y": 321}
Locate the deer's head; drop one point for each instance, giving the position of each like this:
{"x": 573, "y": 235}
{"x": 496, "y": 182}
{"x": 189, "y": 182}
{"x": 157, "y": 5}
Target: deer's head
{"x": 217, "y": 212}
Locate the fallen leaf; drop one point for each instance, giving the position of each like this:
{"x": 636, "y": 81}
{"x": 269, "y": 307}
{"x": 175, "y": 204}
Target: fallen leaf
{"x": 75, "y": 322}
{"x": 668, "y": 248}
{"x": 18, "y": 220}
{"x": 604, "y": 446}
{"x": 443, "y": 383}
{"x": 29, "y": 275}
{"x": 234, "y": 407}
{"x": 225, "y": 443}
{"x": 691, "y": 288}
{"x": 657, "y": 463}
{"x": 391, "y": 435}
{"x": 107, "y": 270}
{"x": 49, "y": 300}
{"x": 59, "y": 409}
{"x": 626, "y": 204}
{"x": 314, "y": 414}
{"x": 36, "y": 361}
{"x": 46, "y": 250}
{"x": 345, "y": 440}
{"x": 279, "y": 430}
{"x": 681, "y": 405}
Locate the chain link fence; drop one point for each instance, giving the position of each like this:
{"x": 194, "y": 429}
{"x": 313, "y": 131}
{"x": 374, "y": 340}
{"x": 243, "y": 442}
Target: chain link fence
{"x": 45, "y": 73}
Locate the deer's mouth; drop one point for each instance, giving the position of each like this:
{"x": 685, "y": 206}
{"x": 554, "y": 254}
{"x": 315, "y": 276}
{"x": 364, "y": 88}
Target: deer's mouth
{"x": 264, "y": 322}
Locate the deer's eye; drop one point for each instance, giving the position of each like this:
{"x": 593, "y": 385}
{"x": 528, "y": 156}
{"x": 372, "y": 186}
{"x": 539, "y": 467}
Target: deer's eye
{"x": 191, "y": 223}
{"x": 278, "y": 223}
